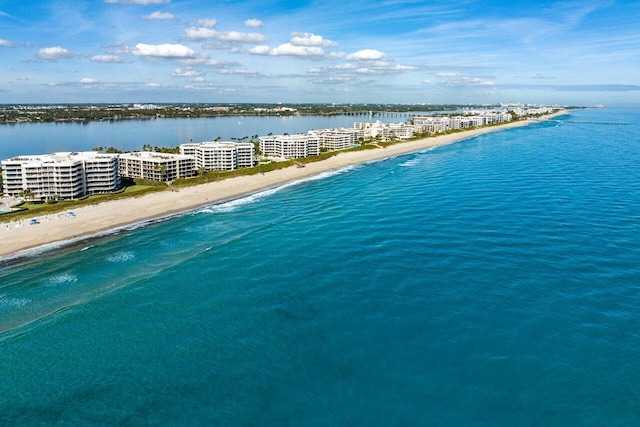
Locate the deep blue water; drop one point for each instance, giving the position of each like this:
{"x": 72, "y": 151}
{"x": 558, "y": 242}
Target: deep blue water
{"x": 495, "y": 281}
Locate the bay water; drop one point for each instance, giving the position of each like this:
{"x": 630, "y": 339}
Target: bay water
{"x": 495, "y": 281}
{"x": 131, "y": 135}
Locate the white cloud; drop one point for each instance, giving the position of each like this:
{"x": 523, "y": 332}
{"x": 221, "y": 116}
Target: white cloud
{"x": 242, "y": 72}
{"x": 167, "y": 51}
{"x": 203, "y": 33}
{"x": 366, "y": 55}
{"x": 458, "y": 79}
{"x": 106, "y": 58}
{"x": 54, "y": 53}
{"x": 260, "y": 50}
{"x": 143, "y": 2}
{"x": 253, "y": 23}
{"x": 235, "y": 36}
{"x": 199, "y": 79}
{"x": 207, "y": 23}
{"x": 5, "y": 43}
{"x": 88, "y": 80}
{"x": 187, "y": 72}
{"x": 303, "y": 45}
{"x": 345, "y": 66}
{"x": 335, "y": 80}
{"x": 288, "y": 49}
{"x": 310, "y": 39}
{"x": 158, "y": 16}
{"x": 152, "y": 85}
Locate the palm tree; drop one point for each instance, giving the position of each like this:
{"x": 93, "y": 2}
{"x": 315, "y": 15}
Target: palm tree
{"x": 162, "y": 168}
{"x": 27, "y": 194}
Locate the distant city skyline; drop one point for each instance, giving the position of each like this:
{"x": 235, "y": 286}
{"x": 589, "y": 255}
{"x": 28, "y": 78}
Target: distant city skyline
{"x": 307, "y": 51}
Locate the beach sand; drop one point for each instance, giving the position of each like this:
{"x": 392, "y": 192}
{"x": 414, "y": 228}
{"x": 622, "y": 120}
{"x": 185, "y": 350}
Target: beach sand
{"x": 92, "y": 220}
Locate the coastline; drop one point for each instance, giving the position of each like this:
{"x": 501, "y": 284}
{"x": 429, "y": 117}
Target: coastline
{"x": 93, "y": 221}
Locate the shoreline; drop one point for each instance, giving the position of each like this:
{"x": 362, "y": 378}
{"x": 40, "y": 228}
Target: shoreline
{"x": 91, "y": 222}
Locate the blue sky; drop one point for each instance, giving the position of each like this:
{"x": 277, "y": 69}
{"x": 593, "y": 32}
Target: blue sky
{"x": 373, "y": 51}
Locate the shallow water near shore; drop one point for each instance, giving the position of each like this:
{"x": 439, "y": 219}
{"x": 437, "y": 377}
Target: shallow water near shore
{"x": 493, "y": 281}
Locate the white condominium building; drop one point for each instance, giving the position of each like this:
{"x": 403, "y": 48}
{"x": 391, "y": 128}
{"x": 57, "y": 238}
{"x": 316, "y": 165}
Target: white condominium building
{"x": 435, "y": 124}
{"x": 60, "y": 175}
{"x": 337, "y": 139}
{"x": 384, "y": 130}
{"x": 223, "y": 155}
{"x": 430, "y": 124}
{"x": 155, "y": 166}
{"x": 290, "y": 146}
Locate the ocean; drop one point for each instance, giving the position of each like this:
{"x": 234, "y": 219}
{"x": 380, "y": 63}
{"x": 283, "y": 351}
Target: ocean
{"x": 495, "y": 281}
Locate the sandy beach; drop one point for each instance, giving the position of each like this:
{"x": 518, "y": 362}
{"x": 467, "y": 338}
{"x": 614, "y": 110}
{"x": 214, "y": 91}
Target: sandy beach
{"x": 90, "y": 221}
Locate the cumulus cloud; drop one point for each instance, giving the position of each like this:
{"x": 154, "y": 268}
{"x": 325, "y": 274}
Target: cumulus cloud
{"x": 187, "y": 72}
{"x": 310, "y": 39}
{"x": 55, "y": 53}
{"x": 158, "y": 16}
{"x": 151, "y": 84}
{"x": 253, "y": 23}
{"x": 163, "y": 51}
{"x": 142, "y": 2}
{"x": 207, "y": 23}
{"x": 366, "y": 55}
{"x": 87, "y": 80}
{"x": 204, "y": 33}
{"x": 106, "y": 58}
{"x": 289, "y": 49}
{"x": 260, "y": 50}
{"x": 302, "y": 45}
{"x": 5, "y": 43}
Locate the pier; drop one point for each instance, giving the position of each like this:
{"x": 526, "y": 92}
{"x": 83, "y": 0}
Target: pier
{"x": 592, "y": 122}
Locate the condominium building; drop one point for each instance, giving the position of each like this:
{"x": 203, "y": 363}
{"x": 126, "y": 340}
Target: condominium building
{"x": 224, "y": 155}
{"x": 155, "y": 166}
{"x": 337, "y": 139}
{"x": 384, "y": 130}
{"x": 435, "y": 124}
{"x": 60, "y": 175}
{"x": 290, "y": 146}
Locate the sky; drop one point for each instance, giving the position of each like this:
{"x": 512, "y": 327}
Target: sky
{"x": 320, "y": 51}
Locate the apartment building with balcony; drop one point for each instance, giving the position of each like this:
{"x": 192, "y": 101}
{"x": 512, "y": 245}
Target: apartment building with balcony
{"x": 337, "y": 139}
{"x": 65, "y": 175}
{"x": 290, "y": 146}
{"x": 155, "y": 166}
{"x": 220, "y": 155}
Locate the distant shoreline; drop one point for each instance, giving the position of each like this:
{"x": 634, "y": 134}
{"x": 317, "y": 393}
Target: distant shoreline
{"x": 108, "y": 217}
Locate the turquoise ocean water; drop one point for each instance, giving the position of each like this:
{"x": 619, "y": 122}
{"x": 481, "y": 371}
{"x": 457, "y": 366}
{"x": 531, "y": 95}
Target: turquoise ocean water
{"x": 495, "y": 281}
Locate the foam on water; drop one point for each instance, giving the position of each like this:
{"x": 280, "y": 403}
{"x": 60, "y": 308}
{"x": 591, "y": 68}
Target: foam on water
{"x": 13, "y": 302}
{"x": 63, "y": 278}
{"x": 123, "y": 256}
{"x": 232, "y": 205}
